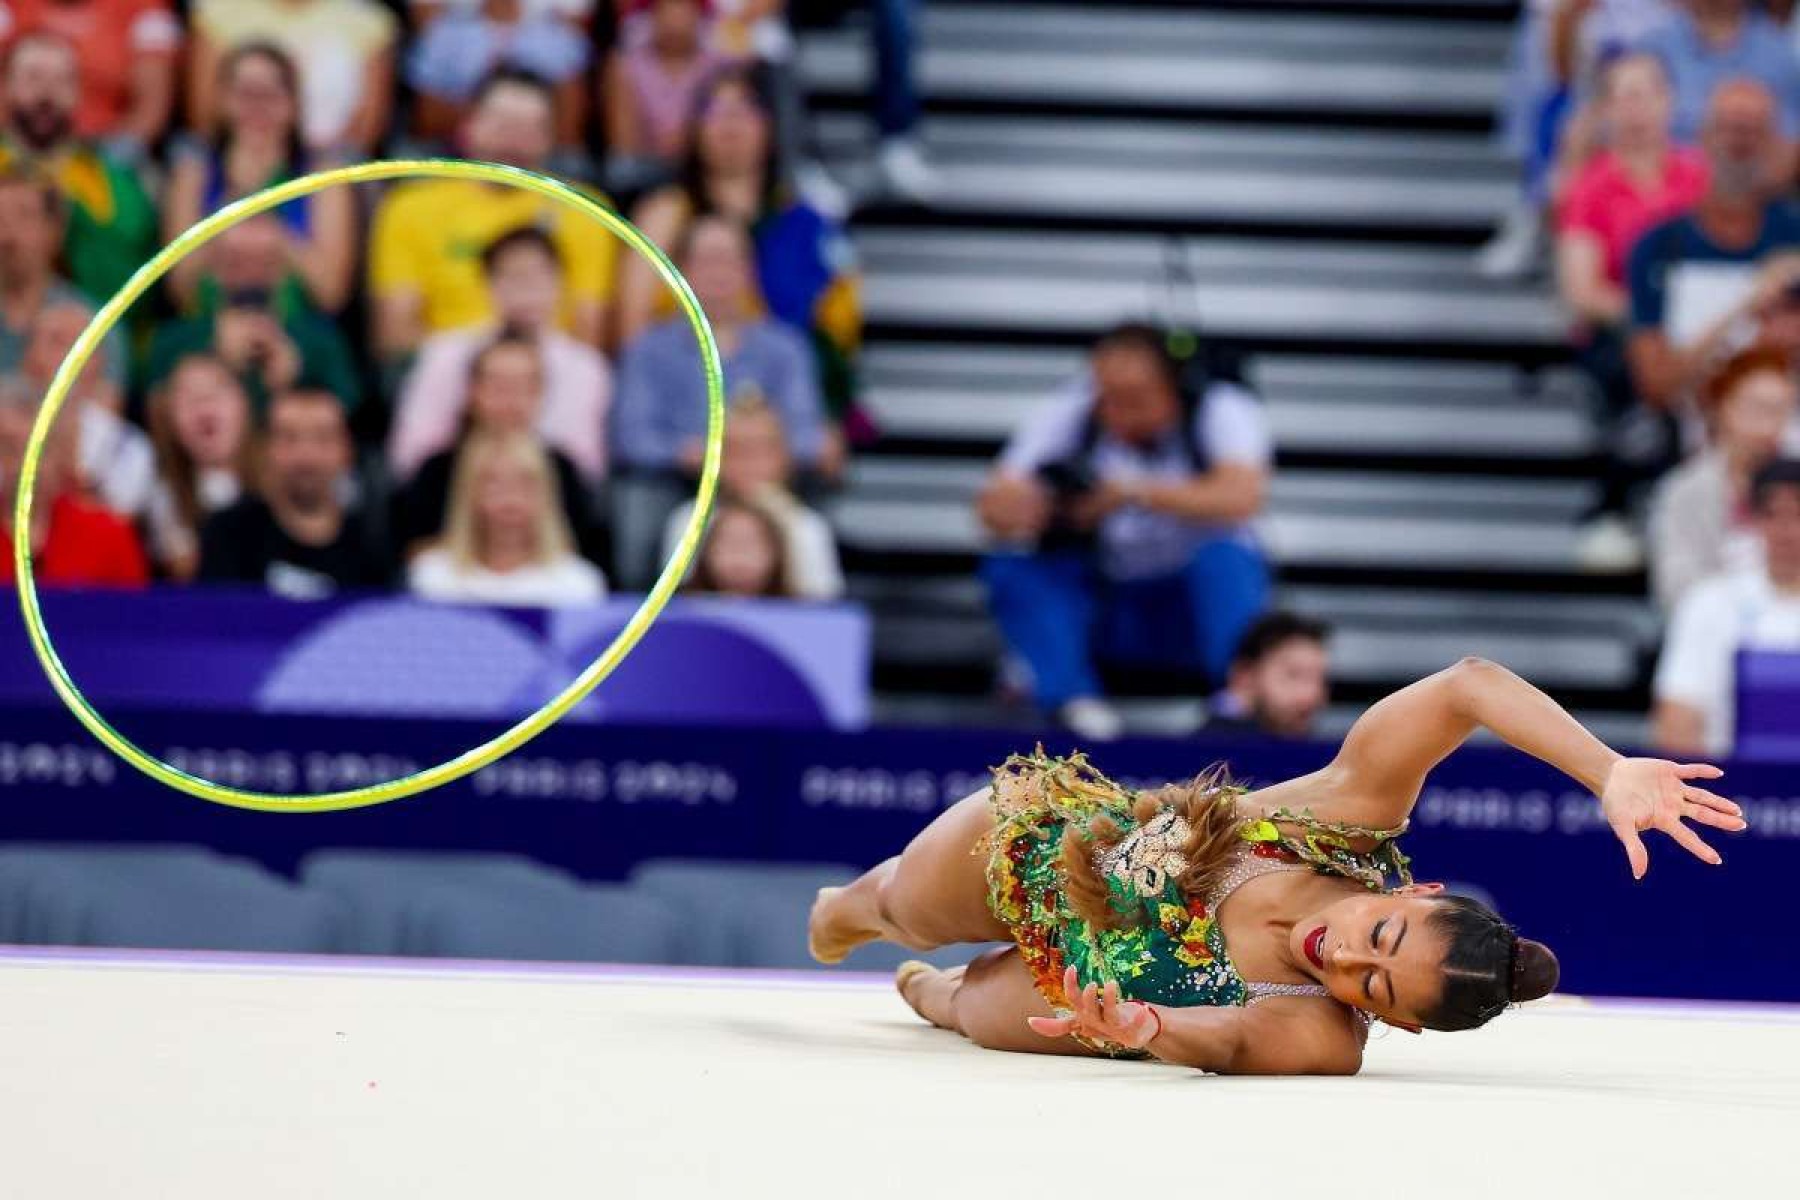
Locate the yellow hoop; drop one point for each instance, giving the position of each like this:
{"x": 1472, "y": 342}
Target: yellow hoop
{"x": 488, "y": 752}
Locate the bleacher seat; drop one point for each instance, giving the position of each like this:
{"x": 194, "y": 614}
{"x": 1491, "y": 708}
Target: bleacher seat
{"x": 162, "y": 897}
{"x": 389, "y": 892}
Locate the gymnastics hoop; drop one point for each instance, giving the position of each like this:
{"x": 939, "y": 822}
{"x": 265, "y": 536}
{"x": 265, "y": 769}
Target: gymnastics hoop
{"x": 505, "y": 743}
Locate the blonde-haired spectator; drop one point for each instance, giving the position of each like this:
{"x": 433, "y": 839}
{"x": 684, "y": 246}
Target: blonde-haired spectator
{"x": 505, "y": 540}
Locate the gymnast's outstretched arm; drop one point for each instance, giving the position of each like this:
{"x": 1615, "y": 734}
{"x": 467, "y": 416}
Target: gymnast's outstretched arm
{"x": 1278, "y": 1036}
{"x": 1377, "y": 775}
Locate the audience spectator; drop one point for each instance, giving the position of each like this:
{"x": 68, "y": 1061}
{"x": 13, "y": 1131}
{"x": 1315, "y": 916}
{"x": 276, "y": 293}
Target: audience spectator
{"x": 900, "y": 164}
{"x": 74, "y": 542}
{"x": 127, "y": 51}
{"x": 113, "y": 456}
{"x": 524, "y": 277}
{"x": 1754, "y": 609}
{"x": 464, "y": 43}
{"x": 744, "y": 555}
{"x": 255, "y": 142}
{"x": 755, "y": 467}
{"x": 256, "y": 318}
{"x": 111, "y": 226}
{"x": 648, "y": 89}
{"x": 804, "y": 265}
{"x": 1122, "y": 518}
{"x": 1700, "y": 520}
{"x": 297, "y": 537}
{"x": 1639, "y": 181}
{"x": 31, "y": 223}
{"x": 1694, "y": 280}
{"x": 661, "y": 416}
{"x": 506, "y": 540}
{"x": 342, "y": 50}
{"x": 1548, "y": 116}
{"x": 1707, "y": 43}
{"x": 506, "y": 395}
{"x": 423, "y": 273}
{"x": 200, "y": 425}
{"x": 1280, "y": 679}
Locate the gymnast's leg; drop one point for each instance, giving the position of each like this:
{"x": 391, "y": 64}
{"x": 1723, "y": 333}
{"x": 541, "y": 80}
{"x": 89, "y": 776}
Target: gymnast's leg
{"x": 934, "y": 894}
{"x": 986, "y": 1001}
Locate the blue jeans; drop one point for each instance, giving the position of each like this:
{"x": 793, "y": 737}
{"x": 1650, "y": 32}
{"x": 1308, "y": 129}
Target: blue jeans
{"x": 1061, "y": 616}
{"x": 896, "y": 90}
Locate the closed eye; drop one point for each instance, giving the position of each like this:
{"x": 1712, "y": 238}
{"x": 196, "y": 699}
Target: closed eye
{"x": 1375, "y": 934}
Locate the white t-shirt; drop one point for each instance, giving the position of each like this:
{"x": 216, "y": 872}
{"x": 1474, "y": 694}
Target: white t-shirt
{"x": 1712, "y": 623}
{"x": 1229, "y": 425}
{"x": 567, "y": 581}
{"x": 117, "y": 460}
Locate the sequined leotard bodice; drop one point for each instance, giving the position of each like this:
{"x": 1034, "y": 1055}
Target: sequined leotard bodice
{"x": 1169, "y": 948}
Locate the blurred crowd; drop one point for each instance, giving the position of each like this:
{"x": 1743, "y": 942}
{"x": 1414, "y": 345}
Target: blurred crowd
{"x": 457, "y": 387}
{"x": 1661, "y": 149}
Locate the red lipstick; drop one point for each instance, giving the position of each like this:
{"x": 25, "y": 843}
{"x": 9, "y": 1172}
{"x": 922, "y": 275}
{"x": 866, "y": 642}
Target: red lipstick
{"x": 1314, "y": 946}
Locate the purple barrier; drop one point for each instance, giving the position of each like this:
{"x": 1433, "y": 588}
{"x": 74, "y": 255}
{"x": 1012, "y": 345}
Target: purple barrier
{"x": 1768, "y": 706}
{"x": 705, "y": 661}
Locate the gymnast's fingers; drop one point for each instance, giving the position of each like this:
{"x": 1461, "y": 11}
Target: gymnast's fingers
{"x": 1109, "y": 1000}
{"x": 1634, "y": 848}
{"x": 1712, "y": 816}
{"x": 1704, "y": 797}
{"x": 1697, "y": 771}
{"x": 1052, "y": 1027}
{"x": 1691, "y": 840}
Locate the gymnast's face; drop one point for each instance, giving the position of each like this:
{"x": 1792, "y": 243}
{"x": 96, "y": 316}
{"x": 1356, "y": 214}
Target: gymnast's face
{"x": 1378, "y": 953}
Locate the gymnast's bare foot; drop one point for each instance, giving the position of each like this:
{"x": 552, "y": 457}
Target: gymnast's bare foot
{"x": 826, "y": 937}
{"x": 928, "y": 991}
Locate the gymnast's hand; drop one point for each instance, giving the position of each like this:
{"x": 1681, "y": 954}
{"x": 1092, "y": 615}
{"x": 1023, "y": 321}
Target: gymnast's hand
{"x": 1651, "y": 793}
{"x": 1100, "y": 1015}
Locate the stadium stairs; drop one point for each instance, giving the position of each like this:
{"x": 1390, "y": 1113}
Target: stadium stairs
{"x": 1306, "y": 182}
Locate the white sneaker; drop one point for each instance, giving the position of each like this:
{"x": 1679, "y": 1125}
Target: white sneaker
{"x": 1517, "y": 247}
{"x": 904, "y": 171}
{"x": 1608, "y": 545}
{"x": 1092, "y": 719}
{"x": 821, "y": 190}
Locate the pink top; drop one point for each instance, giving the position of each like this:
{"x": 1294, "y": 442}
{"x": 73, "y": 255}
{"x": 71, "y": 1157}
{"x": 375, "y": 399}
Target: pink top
{"x": 665, "y": 99}
{"x": 577, "y": 394}
{"x": 1604, "y": 200}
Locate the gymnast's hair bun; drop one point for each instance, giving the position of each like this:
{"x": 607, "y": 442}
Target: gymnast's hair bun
{"x": 1534, "y": 971}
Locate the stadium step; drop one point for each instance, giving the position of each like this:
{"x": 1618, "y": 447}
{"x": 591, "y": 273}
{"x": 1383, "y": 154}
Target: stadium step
{"x": 1071, "y": 285}
{"x": 1187, "y": 60}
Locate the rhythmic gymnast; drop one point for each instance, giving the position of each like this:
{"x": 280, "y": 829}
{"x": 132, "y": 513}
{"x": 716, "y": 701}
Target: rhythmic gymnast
{"x": 1242, "y": 932}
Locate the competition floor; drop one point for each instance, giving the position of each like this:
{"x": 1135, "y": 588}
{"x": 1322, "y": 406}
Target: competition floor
{"x": 198, "y": 1076}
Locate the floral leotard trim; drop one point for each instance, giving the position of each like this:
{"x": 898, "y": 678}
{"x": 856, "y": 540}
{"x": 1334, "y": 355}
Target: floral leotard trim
{"x": 1175, "y": 953}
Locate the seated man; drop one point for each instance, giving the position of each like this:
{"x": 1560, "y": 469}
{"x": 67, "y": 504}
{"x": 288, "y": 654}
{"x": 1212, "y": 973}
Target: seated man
{"x": 1122, "y": 518}
{"x": 128, "y": 51}
{"x": 74, "y": 542}
{"x": 297, "y": 538}
{"x": 111, "y": 228}
{"x": 424, "y": 261}
{"x": 525, "y": 277}
{"x": 1757, "y": 609}
{"x": 1279, "y": 681}
{"x": 1698, "y": 281}
{"x": 257, "y": 319}
{"x": 1707, "y": 42}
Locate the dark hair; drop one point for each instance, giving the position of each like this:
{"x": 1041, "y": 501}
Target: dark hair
{"x": 501, "y": 340}
{"x": 693, "y": 172}
{"x": 1782, "y": 473}
{"x": 1487, "y": 967}
{"x": 1273, "y": 630}
{"x": 506, "y": 76}
{"x": 685, "y": 242}
{"x": 290, "y": 79}
{"x": 1145, "y": 339}
{"x": 515, "y": 239}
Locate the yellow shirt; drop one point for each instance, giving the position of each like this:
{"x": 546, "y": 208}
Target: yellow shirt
{"x": 429, "y": 235}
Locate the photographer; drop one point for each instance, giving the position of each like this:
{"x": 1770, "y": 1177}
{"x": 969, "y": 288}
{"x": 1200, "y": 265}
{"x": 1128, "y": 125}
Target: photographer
{"x": 1122, "y": 521}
